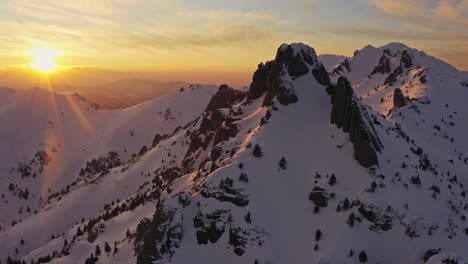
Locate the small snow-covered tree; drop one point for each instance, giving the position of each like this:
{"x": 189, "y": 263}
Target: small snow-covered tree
{"x": 107, "y": 248}
{"x": 318, "y": 235}
{"x": 363, "y": 256}
{"x": 332, "y": 180}
{"x": 97, "y": 251}
{"x": 282, "y": 163}
{"x": 257, "y": 151}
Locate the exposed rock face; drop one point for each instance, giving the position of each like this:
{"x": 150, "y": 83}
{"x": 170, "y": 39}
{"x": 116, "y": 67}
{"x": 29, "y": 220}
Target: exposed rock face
{"x": 380, "y": 220}
{"x": 274, "y": 78}
{"x": 157, "y": 239}
{"x": 226, "y": 192}
{"x": 391, "y": 79}
{"x": 349, "y": 114}
{"x": 210, "y": 227}
{"x": 341, "y": 68}
{"x": 259, "y": 81}
{"x": 406, "y": 60}
{"x": 216, "y": 123}
{"x": 399, "y": 99}
{"x": 157, "y": 138}
{"x": 383, "y": 67}
{"x": 224, "y": 98}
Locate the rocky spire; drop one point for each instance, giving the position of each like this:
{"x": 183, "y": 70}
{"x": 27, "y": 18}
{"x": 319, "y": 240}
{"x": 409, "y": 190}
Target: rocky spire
{"x": 274, "y": 78}
{"x": 399, "y": 99}
{"x": 349, "y": 114}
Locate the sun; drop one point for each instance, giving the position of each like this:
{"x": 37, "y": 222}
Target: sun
{"x": 44, "y": 59}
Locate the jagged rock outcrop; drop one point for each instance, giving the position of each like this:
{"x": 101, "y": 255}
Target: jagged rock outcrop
{"x": 338, "y": 70}
{"x": 349, "y": 114}
{"x": 383, "y": 67}
{"x": 406, "y": 60}
{"x": 157, "y": 138}
{"x": 216, "y": 124}
{"x": 158, "y": 238}
{"x": 259, "y": 81}
{"x": 275, "y": 77}
{"x": 210, "y": 227}
{"x": 399, "y": 99}
{"x": 224, "y": 98}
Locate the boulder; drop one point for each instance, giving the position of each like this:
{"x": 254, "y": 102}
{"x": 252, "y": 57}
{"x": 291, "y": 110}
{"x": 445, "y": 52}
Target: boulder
{"x": 399, "y": 99}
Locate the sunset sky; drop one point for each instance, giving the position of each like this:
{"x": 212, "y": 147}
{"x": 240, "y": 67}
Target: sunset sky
{"x": 213, "y": 36}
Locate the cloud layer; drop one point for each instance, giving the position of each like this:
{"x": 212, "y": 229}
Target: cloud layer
{"x": 237, "y": 34}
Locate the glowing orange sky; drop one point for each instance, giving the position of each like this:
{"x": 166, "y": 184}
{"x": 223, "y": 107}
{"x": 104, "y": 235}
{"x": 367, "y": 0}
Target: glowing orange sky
{"x": 213, "y": 37}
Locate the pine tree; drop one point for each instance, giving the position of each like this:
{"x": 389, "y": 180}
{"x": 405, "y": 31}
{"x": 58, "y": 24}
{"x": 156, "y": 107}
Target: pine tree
{"x": 257, "y": 151}
{"x": 346, "y": 204}
{"x": 247, "y": 218}
{"x": 243, "y": 177}
{"x": 97, "y": 252}
{"x": 363, "y": 256}
{"x": 107, "y": 248}
{"x": 350, "y": 220}
{"x": 332, "y": 180}
{"x": 79, "y": 232}
{"x": 318, "y": 235}
{"x": 282, "y": 163}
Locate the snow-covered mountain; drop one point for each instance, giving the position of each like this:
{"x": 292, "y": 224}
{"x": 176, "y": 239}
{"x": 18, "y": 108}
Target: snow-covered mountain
{"x": 309, "y": 165}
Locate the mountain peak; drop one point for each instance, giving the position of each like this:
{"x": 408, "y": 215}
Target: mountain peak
{"x": 274, "y": 77}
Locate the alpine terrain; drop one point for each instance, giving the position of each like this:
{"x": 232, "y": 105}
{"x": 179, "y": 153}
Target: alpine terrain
{"x": 359, "y": 159}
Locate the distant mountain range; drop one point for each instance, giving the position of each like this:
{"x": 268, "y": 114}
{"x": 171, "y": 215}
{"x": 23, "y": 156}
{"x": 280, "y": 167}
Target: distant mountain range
{"x": 323, "y": 159}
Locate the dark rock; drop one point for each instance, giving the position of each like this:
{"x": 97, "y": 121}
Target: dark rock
{"x": 321, "y": 75}
{"x": 391, "y": 79}
{"x": 143, "y": 150}
{"x": 383, "y": 67}
{"x": 226, "y": 193}
{"x": 295, "y": 62}
{"x": 406, "y": 59}
{"x": 349, "y": 114}
{"x": 292, "y": 61}
{"x": 286, "y": 96}
{"x": 399, "y": 99}
{"x": 210, "y": 227}
{"x": 430, "y": 253}
{"x": 170, "y": 174}
{"x": 224, "y": 98}
{"x": 237, "y": 240}
{"x": 319, "y": 196}
{"x": 338, "y": 70}
{"x": 157, "y": 239}
{"x": 398, "y": 70}
{"x": 157, "y": 138}
{"x": 380, "y": 221}
{"x": 259, "y": 81}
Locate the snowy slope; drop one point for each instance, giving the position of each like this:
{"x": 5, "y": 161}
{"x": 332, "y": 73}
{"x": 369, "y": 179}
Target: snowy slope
{"x": 330, "y": 61}
{"x": 301, "y": 168}
{"x": 68, "y": 132}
